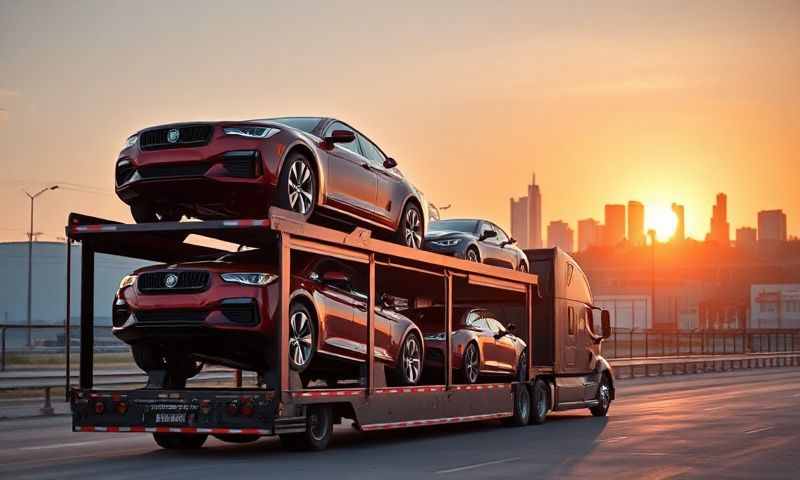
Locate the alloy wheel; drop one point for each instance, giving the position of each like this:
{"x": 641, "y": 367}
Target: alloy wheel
{"x": 471, "y": 367}
{"x": 301, "y": 188}
{"x": 300, "y": 339}
{"x": 604, "y": 395}
{"x": 472, "y": 255}
{"x": 412, "y": 229}
{"x": 523, "y": 268}
{"x": 411, "y": 360}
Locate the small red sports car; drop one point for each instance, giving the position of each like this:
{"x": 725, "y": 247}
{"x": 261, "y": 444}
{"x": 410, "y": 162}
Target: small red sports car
{"x": 482, "y": 346}
{"x": 177, "y": 317}
{"x": 238, "y": 169}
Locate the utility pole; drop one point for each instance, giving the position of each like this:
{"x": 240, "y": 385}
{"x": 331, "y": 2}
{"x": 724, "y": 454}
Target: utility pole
{"x": 652, "y": 234}
{"x": 30, "y": 257}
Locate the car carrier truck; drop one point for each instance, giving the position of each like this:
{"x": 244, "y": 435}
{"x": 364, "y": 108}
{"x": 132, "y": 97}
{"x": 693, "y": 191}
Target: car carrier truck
{"x": 551, "y": 309}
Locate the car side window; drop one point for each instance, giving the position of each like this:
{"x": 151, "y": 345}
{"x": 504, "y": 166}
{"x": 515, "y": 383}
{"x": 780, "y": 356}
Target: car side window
{"x": 495, "y": 326}
{"x": 485, "y": 227}
{"x": 371, "y": 152}
{"x": 501, "y": 235}
{"x": 352, "y": 146}
{"x": 473, "y": 320}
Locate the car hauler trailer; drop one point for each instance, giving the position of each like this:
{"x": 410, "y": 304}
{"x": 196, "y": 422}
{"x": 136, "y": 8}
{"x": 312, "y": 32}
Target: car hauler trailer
{"x": 282, "y": 403}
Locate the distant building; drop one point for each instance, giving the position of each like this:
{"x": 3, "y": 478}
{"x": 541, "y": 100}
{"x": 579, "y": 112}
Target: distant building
{"x": 560, "y": 235}
{"x": 746, "y": 237}
{"x": 636, "y": 223}
{"x": 720, "y": 228}
{"x": 590, "y": 233}
{"x": 614, "y": 228}
{"x": 519, "y": 221}
{"x": 771, "y": 226}
{"x": 775, "y": 305}
{"x": 526, "y": 218}
{"x": 626, "y": 311}
{"x": 680, "y": 224}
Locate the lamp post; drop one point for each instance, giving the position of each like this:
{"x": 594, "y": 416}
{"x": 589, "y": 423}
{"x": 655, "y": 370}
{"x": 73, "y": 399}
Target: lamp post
{"x": 652, "y": 234}
{"x": 30, "y": 255}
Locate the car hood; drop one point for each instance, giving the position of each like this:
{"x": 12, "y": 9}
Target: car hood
{"x": 212, "y": 266}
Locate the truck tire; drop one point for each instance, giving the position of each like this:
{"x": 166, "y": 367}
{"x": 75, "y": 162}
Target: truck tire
{"x": 319, "y": 423}
{"x": 540, "y": 401}
{"x": 522, "y": 407}
{"x": 180, "y": 441}
{"x": 603, "y": 397}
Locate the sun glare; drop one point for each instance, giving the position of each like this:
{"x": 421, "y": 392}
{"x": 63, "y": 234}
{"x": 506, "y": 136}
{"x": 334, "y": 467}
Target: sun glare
{"x": 662, "y": 220}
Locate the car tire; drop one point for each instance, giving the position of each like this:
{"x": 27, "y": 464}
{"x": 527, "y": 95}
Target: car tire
{"x": 523, "y": 267}
{"x": 230, "y": 438}
{"x": 302, "y": 337}
{"x": 522, "y": 407}
{"x": 470, "y": 368}
{"x": 603, "y": 397}
{"x": 145, "y": 213}
{"x": 472, "y": 255}
{"x": 180, "y": 441}
{"x": 319, "y": 429}
{"x": 410, "y": 230}
{"x": 540, "y": 401}
{"x": 409, "y": 361}
{"x": 297, "y": 190}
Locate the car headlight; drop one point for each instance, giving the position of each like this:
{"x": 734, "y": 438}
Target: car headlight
{"x": 131, "y": 141}
{"x": 127, "y": 281}
{"x": 447, "y": 243}
{"x": 253, "y": 279}
{"x": 438, "y": 336}
{"x": 251, "y": 132}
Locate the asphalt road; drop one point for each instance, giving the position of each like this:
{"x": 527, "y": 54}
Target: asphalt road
{"x": 743, "y": 424}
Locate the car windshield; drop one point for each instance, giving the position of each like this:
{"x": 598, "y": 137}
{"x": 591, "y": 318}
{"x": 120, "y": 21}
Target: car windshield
{"x": 306, "y": 124}
{"x": 468, "y": 226}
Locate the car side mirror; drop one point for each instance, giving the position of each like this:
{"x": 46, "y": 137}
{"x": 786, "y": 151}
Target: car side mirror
{"x": 389, "y": 163}
{"x": 386, "y": 301}
{"x": 605, "y": 320}
{"x": 510, "y": 241}
{"x": 340, "y": 136}
{"x": 488, "y": 234}
{"x": 337, "y": 279}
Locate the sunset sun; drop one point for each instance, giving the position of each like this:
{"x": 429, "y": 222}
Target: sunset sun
{"x": 662, "y": 220}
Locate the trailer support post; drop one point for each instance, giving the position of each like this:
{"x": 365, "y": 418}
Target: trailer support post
{"x": 283, "y": 325}
{"x": 371, "y": 328}
{"x": 67, "y": 352}
{"x": 87, "y": 316}
{"x": 448, "y": 316}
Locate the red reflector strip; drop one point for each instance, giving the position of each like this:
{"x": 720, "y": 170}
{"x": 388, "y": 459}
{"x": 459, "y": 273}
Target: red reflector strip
{"x": 140, "y": 429}
{"x": 329, "y": 393}
{"x": 384, "y": 391}
{"x": 490, "y": 386}
{"x": 435, "y": 421}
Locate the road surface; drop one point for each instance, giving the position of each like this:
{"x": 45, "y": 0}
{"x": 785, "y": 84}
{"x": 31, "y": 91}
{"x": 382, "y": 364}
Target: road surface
{"x": 743, "y": 424}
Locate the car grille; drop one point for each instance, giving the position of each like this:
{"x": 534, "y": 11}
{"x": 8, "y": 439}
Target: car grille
{"x": 189, "y": 136}
{"x": 188, "y": 281}
{"x": 173, "y": 170}
{"x": 243, "y": 314}
{"x": 170, "y": 318}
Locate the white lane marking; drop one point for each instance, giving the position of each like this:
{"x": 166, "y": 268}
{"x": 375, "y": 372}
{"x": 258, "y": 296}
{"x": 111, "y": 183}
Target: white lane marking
{"x": 758, "y": 430}
{"x": 713, "y": 408}
{"x": 615, "y": 439}
{"x": 68, "y": 445}
{"x": 649, "y": 454}
{"x": 796, "y": 395}
{"x": 477, "y": 465}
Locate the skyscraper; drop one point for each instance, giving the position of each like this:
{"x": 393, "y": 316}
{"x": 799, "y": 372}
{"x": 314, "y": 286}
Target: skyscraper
{"x": 771, "y": 226}
{"x": 526, "y": 218}
{"x": 614, "y": 229}
{"x": 720, "y": 228}
{"x": 560, "y": 235}
{"x": 636, "y": 223}
{"x": 680, "y": 225}
{"x": 534, "y": 215}
{"x": 589, "y": 233}
{"x": 746, "y": 237}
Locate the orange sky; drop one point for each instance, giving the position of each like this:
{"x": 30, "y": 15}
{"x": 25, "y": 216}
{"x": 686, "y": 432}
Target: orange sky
{"x": 653, "y": 101}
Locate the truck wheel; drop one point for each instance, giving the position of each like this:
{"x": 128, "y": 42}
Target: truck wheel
{"x": 470, "y": 370}
{"x": 319, "y": 423}
{"x": 541, "y": 394}
{"x": 227, "y": 437}
{"x": 302, "y": 337}
{"x": 180, "y": 441}
{"x": 603, "y": 397}
{"x": 522, "y": 407}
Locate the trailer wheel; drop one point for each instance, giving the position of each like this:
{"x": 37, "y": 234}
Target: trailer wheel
{"x": 603, "y": 397}
{"x": 541, "y": 394}
{"x": 319, "y": 423}
{"x": 180, "y": 441}
{"x": 522, "y": 407}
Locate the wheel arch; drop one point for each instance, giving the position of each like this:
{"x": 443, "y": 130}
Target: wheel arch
{"x": 302, "y": 147}
{"x": 411, "y": 198}
{"x": 305, "y": 298}
{"x": 412, "y": 328}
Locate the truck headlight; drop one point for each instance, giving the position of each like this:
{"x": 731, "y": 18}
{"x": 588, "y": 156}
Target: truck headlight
{"x": 447, "y": 243}
{"x": 251, "y": 279}
{"x": 127, "y": 281}
{"x": 251, "y": 132}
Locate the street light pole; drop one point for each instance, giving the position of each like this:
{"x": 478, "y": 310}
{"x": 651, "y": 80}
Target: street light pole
{"x": 30, "y": 258}
{"x": 652, "y": 234}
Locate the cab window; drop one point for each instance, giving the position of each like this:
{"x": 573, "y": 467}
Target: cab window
{"x": 352, "y": 146}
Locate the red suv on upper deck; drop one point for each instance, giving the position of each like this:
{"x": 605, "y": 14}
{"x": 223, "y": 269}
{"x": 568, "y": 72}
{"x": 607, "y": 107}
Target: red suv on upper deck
{"x": 212, "y": 170}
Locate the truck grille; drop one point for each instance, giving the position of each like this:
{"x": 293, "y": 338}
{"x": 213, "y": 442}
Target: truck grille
{"x": 168, "y": 170}
{"x": 188, "y": 136}
{"x": 188, "y": 281}
{"x": 170, "y": 318}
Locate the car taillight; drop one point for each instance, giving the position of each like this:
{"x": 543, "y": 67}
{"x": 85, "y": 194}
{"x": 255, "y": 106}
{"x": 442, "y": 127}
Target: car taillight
{"x": 99, "y": 407}
{"x": 121, "y": 407}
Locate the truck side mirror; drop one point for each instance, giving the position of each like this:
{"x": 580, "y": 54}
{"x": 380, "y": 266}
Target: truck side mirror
{"x": 605, "y": 320}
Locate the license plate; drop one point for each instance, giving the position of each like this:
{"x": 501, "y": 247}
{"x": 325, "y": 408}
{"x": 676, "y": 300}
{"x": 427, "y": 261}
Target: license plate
{"x": 171, "y": 418}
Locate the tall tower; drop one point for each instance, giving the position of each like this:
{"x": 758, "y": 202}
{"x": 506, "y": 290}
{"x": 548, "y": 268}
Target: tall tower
{"x": 720, "y": 228}
{"x": 534, "y": 215}
{"x": 614, "y": 229}
{"x": 519, "y": 221}
{"x": 680, "y": 226}
{"x": 636, "y": 223}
